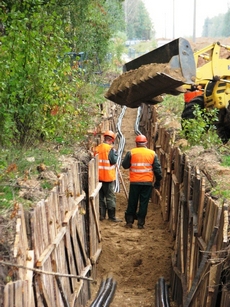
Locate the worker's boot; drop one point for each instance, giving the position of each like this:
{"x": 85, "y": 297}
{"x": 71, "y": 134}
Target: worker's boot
{"x": 112, "y": 215}
{"x": 140, "y": 222}
{"x": 102, "y": 211}
{"x": 129, "y": 220}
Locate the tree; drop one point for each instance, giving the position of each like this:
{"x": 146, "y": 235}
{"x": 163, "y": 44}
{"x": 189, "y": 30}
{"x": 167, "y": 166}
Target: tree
{"x": 218, "y": 26}
{"x": 138, "y": 22}
{"x": 36, "y": 80}
{"x": 226, "y": 24}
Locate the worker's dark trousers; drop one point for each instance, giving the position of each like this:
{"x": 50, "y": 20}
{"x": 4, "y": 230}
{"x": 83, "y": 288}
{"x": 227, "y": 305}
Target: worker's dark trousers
{"x": 107, "y": 199}
{"x": 142, "y": 194}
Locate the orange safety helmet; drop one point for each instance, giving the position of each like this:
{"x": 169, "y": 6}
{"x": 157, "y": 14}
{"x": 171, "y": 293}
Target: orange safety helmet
{"x": 110, "y": 133}
{"x": 141, "y": 139}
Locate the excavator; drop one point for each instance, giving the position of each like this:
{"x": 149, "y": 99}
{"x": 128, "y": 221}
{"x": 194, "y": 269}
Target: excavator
{"x": 202, "y": 76}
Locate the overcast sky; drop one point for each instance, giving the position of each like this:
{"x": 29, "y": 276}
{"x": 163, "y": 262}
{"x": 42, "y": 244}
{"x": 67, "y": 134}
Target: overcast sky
{"x": 161, "y": 12}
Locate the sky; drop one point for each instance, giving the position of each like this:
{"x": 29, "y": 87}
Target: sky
{"x": 161, "y": 13}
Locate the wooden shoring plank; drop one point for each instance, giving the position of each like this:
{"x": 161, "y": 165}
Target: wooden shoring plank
{"x": 70, "y": 187}
{"x": 182, "y": 236}
{"x": 223, "y": 229}
{"x": 192, "y": 261}
{"x": 8, "y": 295}
{"x": 44, "y": 231}
{"x": 176, "y": 155}
{"x": 196, "y": 190}
{"x": 27, "y": 301}
{"x": 62, "y": 265}
{"x": 17, "y": 240}
{"x": 187, "y": 184}
{"x": 213, "y": 283}
{"x": 21, "y": 241}
{"x": 29, "y": 277}
{"x": 51, "y": 218}
{"x": 174, "y": 201}
{"x": 18, "y": 289}
{"x": 54, "y": 214}
{"x": 77, "y": 179}
{"x": 177, "y": 242}
{"x": 70, "y": 258}
{"x": 95, "y": 257}
{"x": 169, "y": 161}
{"x": 211, "y": 219}
{"x": 201, "y": 207}
{"x": 185, "y": 232}
{"x": 225, "y": 297}
{"x": 226, "y": 223}
{"x": 160, "y": 137}
{"x": 174, "y": 179}
{"x": 96, "y": 190}
{"x": 172, "y": 210}
{"x": 201, "y": 243}
{"x": 163, "y": 161}
{"x": 214, "y": 220}
{"x": 82, "y": 245}
{"x": 76, "y": 293}
{"x": 59, "y": 285}
{"x": 79, "y": 249}
{"x": 159, "y": 198}
{"x": 188, "y": 252}
{"x": 201, "y": 271}
{"x": 182, "y": 284}
{"x": 47, "y": 252}
{"x": 206, "y": 218}
{"x": 166, "y": 140}
{"x": 91, "y": 176}
{"x": 166, "y": 192}
{"x": 48, "y": 281}
{"x": 95, "y": 215}
{"x": 45, "y": 298}
{"x": 38, "y": 231}
{"x": 62, "y": 195}
{"x": 70, "y": 214}
{"x": 200, "y": 294}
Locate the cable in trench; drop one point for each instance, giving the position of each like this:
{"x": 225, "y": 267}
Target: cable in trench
{"x": 105, "y": 293}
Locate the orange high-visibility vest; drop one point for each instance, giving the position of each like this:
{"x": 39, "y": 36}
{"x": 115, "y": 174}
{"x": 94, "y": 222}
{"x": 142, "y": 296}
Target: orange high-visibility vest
{"x": 107, "y": 172}
{"x": 141, "y": 169}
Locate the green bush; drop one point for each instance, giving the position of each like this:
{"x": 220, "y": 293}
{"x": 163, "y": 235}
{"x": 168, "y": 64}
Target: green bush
{"x": 201, "y": 130}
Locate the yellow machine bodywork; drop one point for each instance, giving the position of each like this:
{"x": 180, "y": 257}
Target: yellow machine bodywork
{"x": 213, "y": 75}
{"x": 173, "y": 69}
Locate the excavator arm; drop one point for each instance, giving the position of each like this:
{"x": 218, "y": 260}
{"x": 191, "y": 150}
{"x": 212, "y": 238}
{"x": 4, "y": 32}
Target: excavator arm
{"x": 148, "y": 77}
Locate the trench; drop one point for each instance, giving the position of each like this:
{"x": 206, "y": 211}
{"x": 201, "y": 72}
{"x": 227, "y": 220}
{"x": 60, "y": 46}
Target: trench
{"x": 137, "y": 259}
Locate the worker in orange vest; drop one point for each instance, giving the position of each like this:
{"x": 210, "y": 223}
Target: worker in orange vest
{"x": 107, "y": 175}
{"x": 144, "y": 173}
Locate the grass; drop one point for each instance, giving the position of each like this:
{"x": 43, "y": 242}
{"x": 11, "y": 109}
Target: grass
{"x": 22, "y": 165}
{"x": 221, "y": 192}
{"x": 226, "y": 160}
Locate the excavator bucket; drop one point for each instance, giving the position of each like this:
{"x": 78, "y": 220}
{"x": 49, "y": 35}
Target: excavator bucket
{"x": 161, "y": 71}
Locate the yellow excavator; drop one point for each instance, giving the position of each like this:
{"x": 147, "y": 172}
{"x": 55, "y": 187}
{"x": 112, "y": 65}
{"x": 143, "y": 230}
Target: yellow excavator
{"x": 202, "y": 76}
